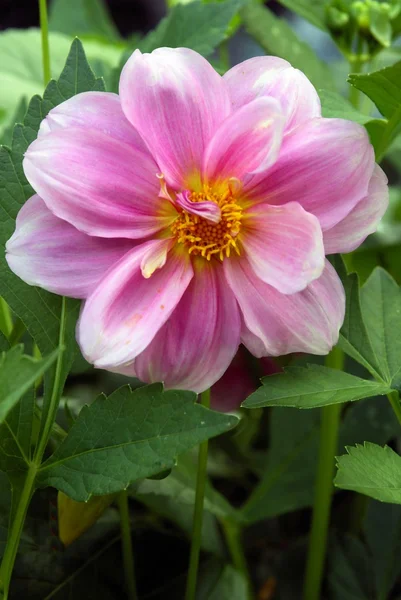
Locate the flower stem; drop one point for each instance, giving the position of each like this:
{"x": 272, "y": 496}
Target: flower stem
{"x": 44, "y": 29}
{"x": 28, "y": 487}
{"x": 232, "y": 532}
{"x": 330, "y": 421}
{"x": 198, "y": 511}
{"x": 6, "y": 322}
{"x": 394, "y": 399}
{"x": 356, "y": 64}
{"x": 126, "y": 539}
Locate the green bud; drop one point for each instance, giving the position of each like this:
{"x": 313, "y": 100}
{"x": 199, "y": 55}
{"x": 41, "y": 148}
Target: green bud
{"x": 336, "y": 19}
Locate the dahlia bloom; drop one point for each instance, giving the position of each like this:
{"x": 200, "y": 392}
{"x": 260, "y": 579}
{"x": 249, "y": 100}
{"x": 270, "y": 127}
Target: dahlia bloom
{"x": 193, "y": 212}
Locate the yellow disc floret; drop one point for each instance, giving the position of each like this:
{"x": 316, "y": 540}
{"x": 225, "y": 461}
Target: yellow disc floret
{"x": 205, "y": 238}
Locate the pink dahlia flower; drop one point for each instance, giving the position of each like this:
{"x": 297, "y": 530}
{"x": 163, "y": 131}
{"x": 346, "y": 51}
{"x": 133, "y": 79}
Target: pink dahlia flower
{"x": 194, "y": 211}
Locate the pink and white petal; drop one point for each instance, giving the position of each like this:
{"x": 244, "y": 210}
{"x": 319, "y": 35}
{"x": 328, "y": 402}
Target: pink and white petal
{"x": 50, "y": 253}
{"x": 284, "y": 245}
{"x": 275, "y": 78}
{"x": 363, "y": 220}
{"x": 248, "y": 141}
{"x": 325, "y": 165}
{"x": 198, "y": 342}
{"x": 206, "y": 209}
{"x": 103, "y": 186}
{"x": 276, "y": 324}
{"x": 126, "y": 310}
{"x": 93, "y": 110}
{"x": 176, "y": 100}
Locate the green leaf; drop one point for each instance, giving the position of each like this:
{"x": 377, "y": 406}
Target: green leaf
{"x": 21, "y": 72}
{"x": 39, "y": 310}
{"x": 383, "y": 87}
{"x": 381, "y": 309}
{"x": 278, "y": 38}
{"x": 180, "y": 487}
{"x": 371, "y": 470}
{"x": 128, "y": 436}
{"x": 79, "y": 17}
{"x": 379, "y": 25}
{"x": 382, "y": 529}
{"x": 18, "y": 117}
{"x": 230, "y": 585}
{"x": 312, "y": 386}
{"x": 201, "y": 27}
{"x": 287, "y": 478}
{"x": 311, "y": 10}
{"x": 18, "y": 373}
{"x": 336, "y": 106}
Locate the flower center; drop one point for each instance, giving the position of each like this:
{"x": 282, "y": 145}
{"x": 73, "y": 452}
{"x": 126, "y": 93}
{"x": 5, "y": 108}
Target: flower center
{"x": 203, "y": 237}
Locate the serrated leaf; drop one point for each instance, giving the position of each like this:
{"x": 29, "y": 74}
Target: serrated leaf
{"x": 383, "y": 87}
{"x": 18, "y": 372}
{"x": 335, "y": 106}
{"x": 201, "y": 27}
{"x": 371, "y": 470}
{"x": 79, "y": 17}
{"x": 381, "y": 309}
{"x": 278, "y": 38}
{"x": 128, "y": 436}
{"x": 39, "y": 310}
{"x": 311, "y": 10}
{"x": 288, "y": 477}
{"x": 311, "y": 387}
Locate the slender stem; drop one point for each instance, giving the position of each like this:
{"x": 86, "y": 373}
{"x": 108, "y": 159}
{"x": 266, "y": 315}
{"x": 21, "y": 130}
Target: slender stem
{"x": 50, "y": 414}
{"x": 224, "y": 53}
{"x": 356, "y": 64}
{"x": 198, "y": 512}
{"x": 14, "y": 535}
{"x": 126, "y": 539}
{"x": 6, "y": 322}
{"x": 394, "y": 399}
{"x": 24, "y": 499}
{"x": 330, "y": 421}
{"x": 44, "y": 29}
{"x": 232, "y": 533}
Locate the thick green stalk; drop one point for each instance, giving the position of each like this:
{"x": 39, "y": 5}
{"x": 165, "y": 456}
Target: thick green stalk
{"x": 330, "y": 421}
{"x": 126, "y": 539}
{"x": 44, "y": 29}
{"x": 198, "y": 512}
{"x": 232, "y": 533}
{"x": 394, "y": 399}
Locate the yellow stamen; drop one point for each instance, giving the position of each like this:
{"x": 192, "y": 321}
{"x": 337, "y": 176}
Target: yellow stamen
{"x": 207, "y": 239}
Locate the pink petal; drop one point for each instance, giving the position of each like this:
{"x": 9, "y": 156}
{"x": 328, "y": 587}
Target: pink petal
{"x": 102, "y": 186}
{"x": 248, "y": 141}
{"x": 50, "y": 253}
{"x": 270, "y": 76}
{"x": 199, "y": 340}
{"x": 176, "y": 100}
{"x": 94, "y": 110}
{"x": 325, "y": 165}
{"x": 206, "y": 209}
{"x": 363, "y": 220}
{"x": 276, "y": 324}
{"x": 284, "y": 246}
{"x": 126, "y": 310}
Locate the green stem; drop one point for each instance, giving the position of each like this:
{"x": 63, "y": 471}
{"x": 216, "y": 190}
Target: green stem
{"x": 198, "y": 512}
{"x": 24, "y": 499}
{"x": 50, "y": 415}
{"x": 224, "y": 54}
{"x": 394, "y": 399}
{"x": 330, "y": 421}
{"x": 6, "y": 322}
{"x": 356, "y": 64}
{"x": 44, "y": 29}
{"x": 232, "y": 533}
{"x": 14, "y": 535}
{"x": 126, "y": 539}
